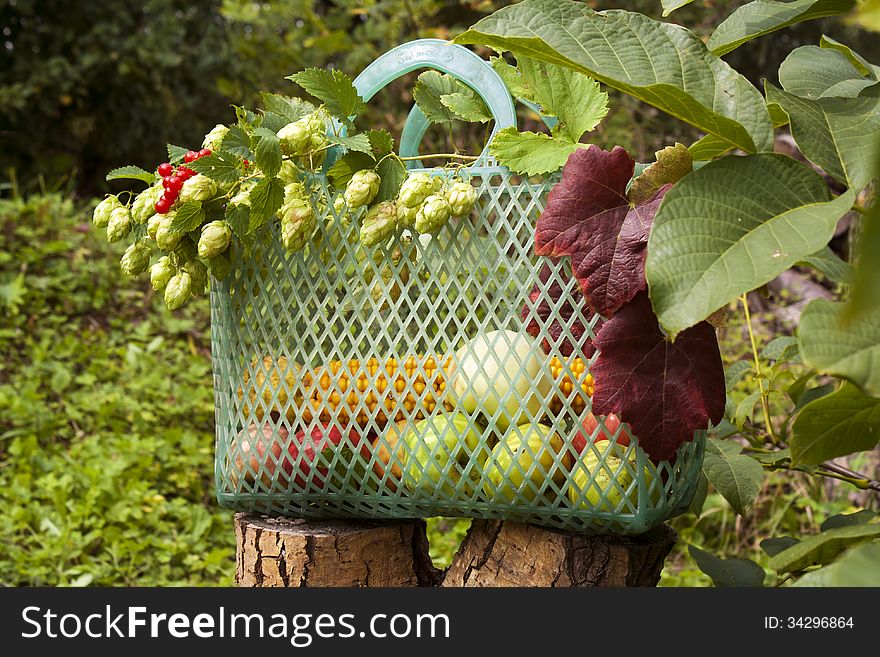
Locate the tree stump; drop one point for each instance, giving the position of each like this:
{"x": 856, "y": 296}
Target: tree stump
{"x": 288, "y": 553}
{"x": 285, "y": 552}
{"x": 496, "y": 553}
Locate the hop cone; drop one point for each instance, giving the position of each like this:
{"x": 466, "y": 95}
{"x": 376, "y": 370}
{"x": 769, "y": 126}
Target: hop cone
{"x": 153, "y": 225}
{"x": 167, "y": 239}
{"x": 461, "y": 197}
{"x": 415, "y": 189}
{"x": 119, "y": 225}
{"x": 297, "y": 225}
{"x": 289, "y": 173}
{"x": 161, "y": 272}
{"x": 198, "y": 273}
{"x": 296, "y": 137}
{"x": 433, "y": 214}
{"x": 198, "y": 188}
{"x": 135, "y": 260}
{"x": 406, "y": 217}
{"x": 214, "y": 239}
{"x": 361, "y": 189}
{"x": 379, "y": 223}
{"x": 178, "y": 290}
{"x": 214, "y": 139}
{"x": 144, "y": 205}
{"x": 101, "y": 216}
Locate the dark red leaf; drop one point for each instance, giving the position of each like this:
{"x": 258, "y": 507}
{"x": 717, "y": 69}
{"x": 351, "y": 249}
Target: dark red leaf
{"x": 536, "y": 320}
{"x": 588, "y": 217}
{"x": 664, "y": 390}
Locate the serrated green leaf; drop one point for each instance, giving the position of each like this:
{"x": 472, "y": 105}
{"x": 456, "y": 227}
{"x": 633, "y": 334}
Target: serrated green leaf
{"x": 812, "y": 73}
{"x": 132, "y": 173}
{"x": 670, "y": 6}
{"x": 822, "y": 548}
{"x": 188, "y": 216}
{"x": 837, "y": 134}
{"x": 467, "y": 106}
{"x": 738, "y": 478}
{"x": 530, "y": 153}
{"x": 381, "y": 142}
{"x": 839, "y": 424}
{"x": 267, "y": 151}
{"x": 219, "y": 166}
{"x": 348, "y": 165}
{"x": 513, "y": 79}
{"x": 671, "y": 165}
{"x": 572, "y": 97}
{"x": 714, "y": 239}
{"x": 846, "y": 349}
{"x": 272, "y": 122}
{"x": 265, "y": 199}
{"x": 829, "y": 263}
{"x": 430, "y": 87}
{"x": 247, "y": 119}
{"x": 359, "y": 143}
{"x": 393, "y": 173}
{"x": 676, "y": 73}
{"x": 765, "y": 16}
{"x": 333, "y": 88}
{"x": 176, "y": 153}
{"x": 237, "y": 142}
{"x": 288, "y": 108}
{"x": 238, "y": 218}
{"x": 728, "y": 572}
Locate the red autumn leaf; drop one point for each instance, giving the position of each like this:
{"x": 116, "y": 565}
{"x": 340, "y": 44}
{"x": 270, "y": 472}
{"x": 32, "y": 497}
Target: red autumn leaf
{"x": 537, "y": 319}
{"x": 664, "y": 390}
{"x": 589, "y": 218}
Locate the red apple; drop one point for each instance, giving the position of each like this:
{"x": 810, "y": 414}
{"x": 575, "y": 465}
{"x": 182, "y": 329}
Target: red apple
{"x": 258, "y": 446}
{"x": 589, "y": 427}
{"x": 324, "y": 438}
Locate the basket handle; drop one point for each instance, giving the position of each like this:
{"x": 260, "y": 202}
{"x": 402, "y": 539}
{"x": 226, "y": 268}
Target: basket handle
{"x": 445, "y": 57}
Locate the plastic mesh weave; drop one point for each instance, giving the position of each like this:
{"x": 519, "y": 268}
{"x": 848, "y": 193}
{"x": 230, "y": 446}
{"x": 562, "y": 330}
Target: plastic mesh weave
{"x": 287, "y": 328}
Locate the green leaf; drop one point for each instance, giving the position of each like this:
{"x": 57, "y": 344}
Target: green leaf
{"x": 812, "y": 73}
{"x": 779, "y": 348}
{"x": 837, "y": 134}
{"x": 670, "y": 6}
{"x": 734, "y": 373}
{"x": 381, "y": 142}
{"x": 265, "y": 199}
{"x": 822, "y": 548}
{"x": 467, "y": 106}
{"x": 267, "y": 151}
{"x": 830, "y": 264}
{"x": 530, "y": 153}
{"x": 715, "y": 239}
{"x": 661, "y": 64}
{"x": 238, "y": 218}
{"x": 359, "y": 143}
{"x": 773, "y": 546}
{"x": 745, "y": 407}
{"x": 247, "y": 119}
{"x": 699, "y": 500}
{"x": 862, "y": 65}
{"x": 348, "y": 165}
{"x": 332, "y": 87}
{"x": 738, "y": 478}
{"x": 839, "y": 424}
{"x": 672, "y": 164}
{"x": 289, "y": 109}
{"x": 865, "y": 291}
{"x": 846, "y": 349}
{"x": 814, "y": 393}
{"x": 237, "y": 142}
{"x": 219, "y": 166}
{"x": 393, "y": 173}
{"x": 513, "y": 79}
{"x": 862, "y": 517}
{"x": 571, "y": 96}
{"x": 176, "y": 153}
{"x": 728, "y": 572}
{"x": 796, "y": 389}
{"x": 765, "y": 16}
{"x": 709, "y": 147}
{"x": 132, "y": 173}
{"x": 430, "y": 87}
{"x": 858, "y": 567}
{"x": 189, "y": 216}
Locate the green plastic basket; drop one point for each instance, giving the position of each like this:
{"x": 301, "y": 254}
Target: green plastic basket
{"x": 302, "y": 431}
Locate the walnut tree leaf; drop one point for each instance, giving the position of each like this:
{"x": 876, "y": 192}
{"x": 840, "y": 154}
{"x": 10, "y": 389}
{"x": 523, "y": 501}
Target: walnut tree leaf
{"x": 665, "y": 390}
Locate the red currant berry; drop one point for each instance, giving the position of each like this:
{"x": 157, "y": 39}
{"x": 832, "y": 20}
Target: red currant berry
{"x": 190, "y": 156}
{"x": 205, "y": 152}
{"x": 246, "y": 163}
{"x": 165, "y": 169}
{"x": 166, "y": 181}
{"x": 163, "y": 205}
{"x": 189, "y": 172}
{"x": 174, "y": 184}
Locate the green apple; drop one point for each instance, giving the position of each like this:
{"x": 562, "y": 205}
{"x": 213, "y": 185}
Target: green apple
{"x": 539, "y": 446}
{"x": 500, "y": 366}
{"x": 602, "y": 494}
{"x": 431, "y": 445}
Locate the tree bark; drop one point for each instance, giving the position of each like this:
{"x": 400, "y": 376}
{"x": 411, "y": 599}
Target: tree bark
{"x": 496, "y": 553}
{"x": 289, "y": 553}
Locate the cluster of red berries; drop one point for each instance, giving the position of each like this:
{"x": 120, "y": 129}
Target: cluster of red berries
{"x": 173, "y": 179}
